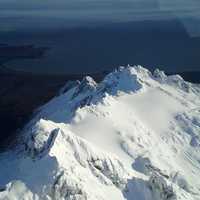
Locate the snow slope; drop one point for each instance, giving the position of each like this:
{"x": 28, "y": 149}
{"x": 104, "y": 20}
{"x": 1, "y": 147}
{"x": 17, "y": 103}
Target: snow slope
{"x": 134, "y": 136}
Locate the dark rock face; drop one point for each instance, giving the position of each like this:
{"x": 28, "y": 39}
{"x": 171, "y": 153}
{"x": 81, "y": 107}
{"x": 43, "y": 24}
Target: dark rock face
{"x": 38, "y": 149}
{"x": 160, "y": 188}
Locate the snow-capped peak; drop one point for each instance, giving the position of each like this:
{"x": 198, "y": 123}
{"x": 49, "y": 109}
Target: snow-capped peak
{"x": 134, "y": 135}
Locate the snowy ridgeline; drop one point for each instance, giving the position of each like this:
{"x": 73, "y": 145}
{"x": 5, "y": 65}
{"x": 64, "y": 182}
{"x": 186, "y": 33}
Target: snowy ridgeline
{"x": 134, "y": 136}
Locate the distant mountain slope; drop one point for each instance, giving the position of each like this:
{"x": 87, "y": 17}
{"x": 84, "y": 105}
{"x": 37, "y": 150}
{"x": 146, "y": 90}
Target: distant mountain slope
{"x": 135, "y": 135}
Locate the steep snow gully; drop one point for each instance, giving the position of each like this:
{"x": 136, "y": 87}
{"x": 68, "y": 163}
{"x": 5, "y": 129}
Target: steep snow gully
{"x": 133, "y": 136}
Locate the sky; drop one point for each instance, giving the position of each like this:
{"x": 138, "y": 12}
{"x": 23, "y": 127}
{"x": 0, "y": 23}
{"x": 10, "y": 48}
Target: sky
{"x": 45, "y": 15}
{"x": 19, "y": 14}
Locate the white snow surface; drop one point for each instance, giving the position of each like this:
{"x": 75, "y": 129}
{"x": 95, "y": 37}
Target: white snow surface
{"x": 133, "y": 136}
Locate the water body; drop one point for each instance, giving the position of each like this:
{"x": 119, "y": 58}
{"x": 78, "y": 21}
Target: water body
{"x": 92, "y": 35}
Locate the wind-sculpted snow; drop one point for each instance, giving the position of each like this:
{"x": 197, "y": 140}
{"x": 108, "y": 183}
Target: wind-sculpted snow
{"x": 134, "y": 136}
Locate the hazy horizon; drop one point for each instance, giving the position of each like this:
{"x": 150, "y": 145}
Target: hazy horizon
{"x": 110, "y": 33}
{"x": 22, "y": 14}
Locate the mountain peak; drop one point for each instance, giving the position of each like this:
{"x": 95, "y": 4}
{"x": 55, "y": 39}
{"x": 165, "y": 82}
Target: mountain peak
{"x": 133, "y": 135}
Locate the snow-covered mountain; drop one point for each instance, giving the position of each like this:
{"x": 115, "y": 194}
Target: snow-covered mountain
{"x": 133, "y": 136}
